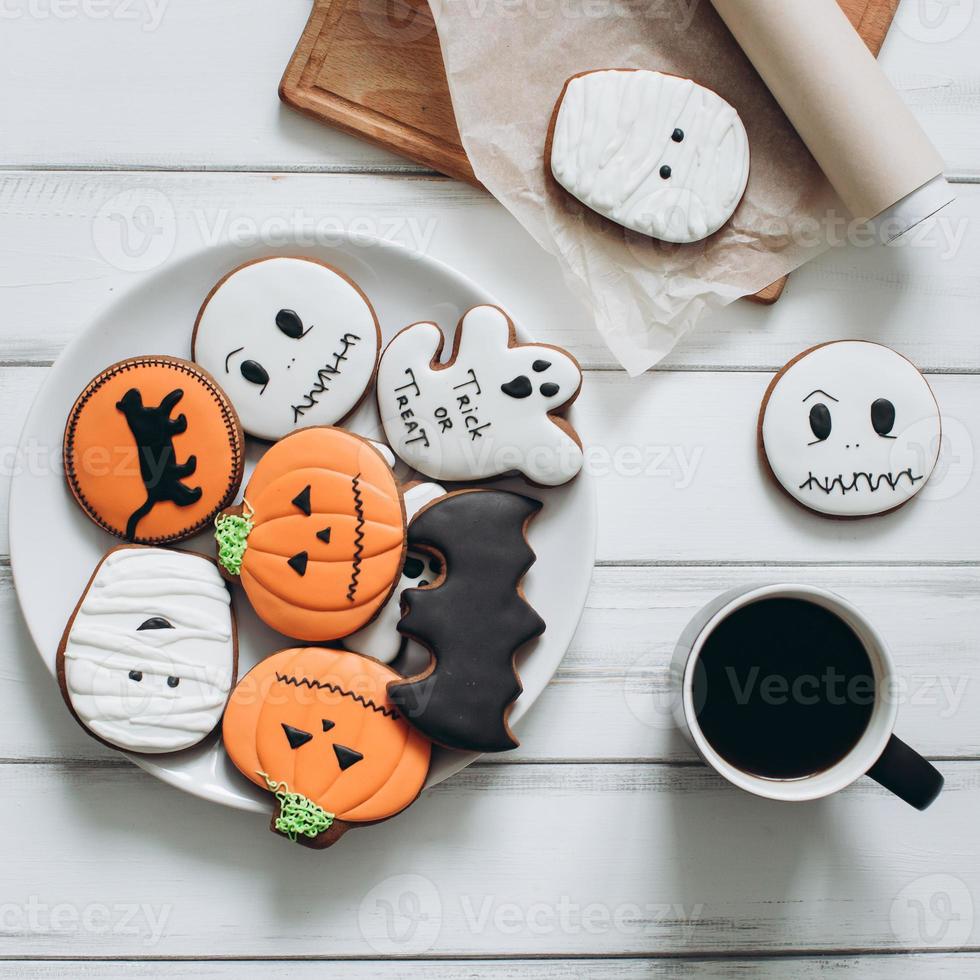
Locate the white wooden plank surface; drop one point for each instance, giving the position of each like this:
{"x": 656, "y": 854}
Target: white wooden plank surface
{"x": 614, "y": 678}
{"x": 936, "y": 966}
{"x": 601, "y": 808}
{"x": 679, "y": 480}
{"x": 535, "y": 860}
{"x": 56, "y": 272}
{"x": 193, "y": 85}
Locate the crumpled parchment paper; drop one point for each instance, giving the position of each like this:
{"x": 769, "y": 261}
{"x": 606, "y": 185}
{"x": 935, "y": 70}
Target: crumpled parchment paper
{"x": 506, "y": 62}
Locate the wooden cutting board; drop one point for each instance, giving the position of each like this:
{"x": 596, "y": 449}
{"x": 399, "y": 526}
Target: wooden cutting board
{"x": 373, "y": 68}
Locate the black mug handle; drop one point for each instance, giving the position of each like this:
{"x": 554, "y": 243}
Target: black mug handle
{"x": 906, "y": 774}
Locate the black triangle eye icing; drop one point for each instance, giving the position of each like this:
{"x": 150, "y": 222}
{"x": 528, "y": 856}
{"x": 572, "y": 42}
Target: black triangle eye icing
{"x": 295, "y": 736}
{"x": 346, "y": 757}
{"x": 883, "y": 417}
{"x": 291, "y": 325}
{"x": 302, "y": 500}
{"x": 820, "y": 422}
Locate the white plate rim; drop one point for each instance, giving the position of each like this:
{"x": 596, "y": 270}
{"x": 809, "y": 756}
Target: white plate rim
{"x": 61, "y": 366}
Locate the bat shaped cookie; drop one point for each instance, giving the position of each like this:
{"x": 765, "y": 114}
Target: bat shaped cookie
{"x": 473, "y": 619}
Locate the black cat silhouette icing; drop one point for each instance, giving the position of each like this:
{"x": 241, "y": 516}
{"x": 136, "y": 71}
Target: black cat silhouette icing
{"x": 154, "y": 431}
{"x": 472, "y": 619}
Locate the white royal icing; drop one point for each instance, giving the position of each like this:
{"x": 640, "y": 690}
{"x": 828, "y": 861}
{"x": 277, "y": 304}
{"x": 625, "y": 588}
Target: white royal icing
{"x": 313, "y": 372}
{"x": 485, "y": 413}
{"x": 615, "y": 132}
{"x": 105, "y": 644}
{"x": 380, "y": 638}
{"x": 820, "y": 437}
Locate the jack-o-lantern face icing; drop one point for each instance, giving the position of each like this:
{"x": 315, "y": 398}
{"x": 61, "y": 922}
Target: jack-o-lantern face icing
{"x": 148, "y": 660}
{"x": 293, "y": 341}
{"x": 153, "y": 449}
{"x": 319, "y": 540}
{"x": 316, "y": 727}
{"x": 850, "y": 429}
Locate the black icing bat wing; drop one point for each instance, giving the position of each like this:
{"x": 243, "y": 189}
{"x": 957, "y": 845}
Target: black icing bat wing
{"x": 473, "y": 619}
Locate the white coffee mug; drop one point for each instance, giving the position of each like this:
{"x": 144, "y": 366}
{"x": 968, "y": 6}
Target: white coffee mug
{"x": 877, "y": 752}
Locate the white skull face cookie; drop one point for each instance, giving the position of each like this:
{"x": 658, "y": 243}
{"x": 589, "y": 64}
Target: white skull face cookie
{"x": 292, "y": 341}
{"x": 489, "y": 410}
{"x": 850, "y": 429}
{"x": 658, "y": 154}
{"x": 148, "y": 660}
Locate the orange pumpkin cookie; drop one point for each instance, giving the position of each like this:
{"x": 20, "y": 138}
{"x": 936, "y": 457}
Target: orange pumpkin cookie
{"x": 153, "y": 449}
{"x": 315, "y": 727}
{"x": 319, "y": 540}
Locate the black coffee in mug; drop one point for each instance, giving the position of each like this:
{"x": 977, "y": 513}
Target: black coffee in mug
{"x": 783, "y": 689}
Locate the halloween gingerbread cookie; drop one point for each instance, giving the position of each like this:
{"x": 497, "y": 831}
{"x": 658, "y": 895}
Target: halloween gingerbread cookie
{"x": 491, "y": 409}
{"x": 149, "y": 657}
{"x": 153, "y": 449}
{"x": 319, "y": 539}
{"x": 315, "y": 727}
{"x": 293, "y": 341}
{"x": 658, "y": 154}
{"x": 850, "y": 429}
{"x": 380, "y": 638}
{"x": 473, "y": 619}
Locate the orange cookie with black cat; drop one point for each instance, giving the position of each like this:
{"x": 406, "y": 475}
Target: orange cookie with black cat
{"x": 153, "y": 449}
{"x": 318, "y": 542}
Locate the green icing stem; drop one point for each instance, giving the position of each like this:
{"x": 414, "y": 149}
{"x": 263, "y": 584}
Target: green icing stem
{"x": 231, "y": 532}
{"x": 297, "y": 813}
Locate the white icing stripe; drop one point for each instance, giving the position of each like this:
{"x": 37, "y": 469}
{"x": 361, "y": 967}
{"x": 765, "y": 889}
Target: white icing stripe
{"x": 152, "y": 690}
{"x": 613, "y": 134}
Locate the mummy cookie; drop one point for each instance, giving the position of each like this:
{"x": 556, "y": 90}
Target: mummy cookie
{"x": 473, "y": 619}
{"x": 294, "y": 342}
{"x": 148, "y": 659}
{"x": 315, "y": 727}
{"x": 319, "y": 540}
{"x": 850, "y": 429}
{"x": 491, "y": 409}
{"x": 153, "y": 449}
{"x": 658, "y": 154}
{"x": 380, "y": 638}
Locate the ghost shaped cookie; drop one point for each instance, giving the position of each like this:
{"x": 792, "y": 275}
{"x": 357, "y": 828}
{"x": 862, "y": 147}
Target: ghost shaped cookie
{"x": 293, "y": 341}
{"x": 491, "y": 409}
{"x": 850, "y": 429}
{"x": 655, "y": 153}
{"x": 148, "y": 659}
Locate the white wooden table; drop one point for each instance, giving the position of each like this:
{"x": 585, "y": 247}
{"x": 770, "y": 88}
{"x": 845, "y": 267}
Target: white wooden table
{"x": 601, "y": 837}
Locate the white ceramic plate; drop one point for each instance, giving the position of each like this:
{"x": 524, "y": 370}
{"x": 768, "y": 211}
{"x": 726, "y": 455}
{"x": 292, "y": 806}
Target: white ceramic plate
{"x": 157, "y": 317}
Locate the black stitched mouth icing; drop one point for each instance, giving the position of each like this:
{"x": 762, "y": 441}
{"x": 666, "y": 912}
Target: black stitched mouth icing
{"x": 324, "y": 376}
{"x": 358, "y": 537}
{"x": 869, "y": 480}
